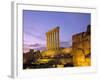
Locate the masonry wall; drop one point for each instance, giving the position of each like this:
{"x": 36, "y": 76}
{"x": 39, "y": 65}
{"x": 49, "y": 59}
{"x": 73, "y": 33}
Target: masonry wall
{"x": 81, "y": 44}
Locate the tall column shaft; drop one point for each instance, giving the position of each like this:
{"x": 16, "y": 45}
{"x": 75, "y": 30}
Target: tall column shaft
{"x": 58, "y": 39}
{"x": 49, "y": 41}
{"x": 53, "y": 39}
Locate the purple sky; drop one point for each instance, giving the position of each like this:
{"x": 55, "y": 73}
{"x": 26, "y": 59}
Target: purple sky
{"x": 37, "y": 23}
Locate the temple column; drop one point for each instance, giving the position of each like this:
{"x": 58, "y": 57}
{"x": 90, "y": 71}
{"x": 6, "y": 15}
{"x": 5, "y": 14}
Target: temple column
{"x": 48, "y": 41}
{"x": 58, "y": 38}
{"x": 51, "y": 41}
{"x": 53, "y": 38}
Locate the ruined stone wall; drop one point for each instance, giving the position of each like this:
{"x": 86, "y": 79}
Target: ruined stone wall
{"x": 81, "y": 49}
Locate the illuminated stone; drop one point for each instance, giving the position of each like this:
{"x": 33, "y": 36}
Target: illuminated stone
{"x": 52, "y": 37}
{"x": 81, "y": 47}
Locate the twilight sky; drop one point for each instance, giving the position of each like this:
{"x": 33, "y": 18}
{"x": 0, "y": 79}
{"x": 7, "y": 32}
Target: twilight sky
{"x": 37, "y": 23}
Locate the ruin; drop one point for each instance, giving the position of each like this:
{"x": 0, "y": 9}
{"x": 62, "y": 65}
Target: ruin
{"x": 53, "y": 41}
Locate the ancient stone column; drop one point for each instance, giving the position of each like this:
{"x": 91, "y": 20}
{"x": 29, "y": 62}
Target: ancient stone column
{"x": 53, "y": 38}
{"x": 49, "y": 41}
{"x": 58, "y": 38}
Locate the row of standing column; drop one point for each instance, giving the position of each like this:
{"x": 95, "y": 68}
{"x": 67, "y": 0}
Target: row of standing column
{"x": 53, "y": 39}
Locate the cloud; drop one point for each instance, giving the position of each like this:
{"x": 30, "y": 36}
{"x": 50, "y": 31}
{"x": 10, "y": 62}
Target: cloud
{"x": 65, "y": 44}
{"x": 35, "y": 45}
